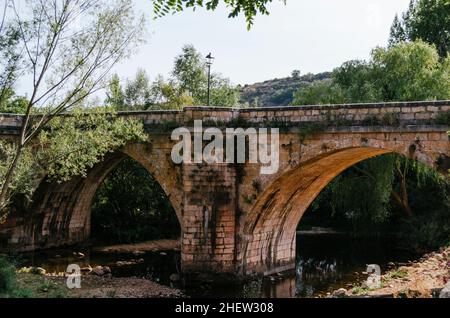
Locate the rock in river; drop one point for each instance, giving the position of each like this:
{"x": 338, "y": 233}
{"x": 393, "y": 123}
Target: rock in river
{"x": 100, "y": 271}
{"x": 341, "y": 292}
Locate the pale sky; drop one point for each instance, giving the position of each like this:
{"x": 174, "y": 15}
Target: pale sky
{"x": 310, "y": 35}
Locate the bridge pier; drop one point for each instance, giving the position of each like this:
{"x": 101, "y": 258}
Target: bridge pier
{"x": 210, "y": 219}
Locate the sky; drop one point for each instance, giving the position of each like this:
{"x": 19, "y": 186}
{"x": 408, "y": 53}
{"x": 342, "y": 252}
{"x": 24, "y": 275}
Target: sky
{"x": 308, "y": 35}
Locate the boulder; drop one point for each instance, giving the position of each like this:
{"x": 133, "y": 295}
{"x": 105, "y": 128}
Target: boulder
{"x": 341, "y": 292}
{"x": 79, "y": 255}
{"x": 86, "y": 269}
{"x": 98, "y": 271}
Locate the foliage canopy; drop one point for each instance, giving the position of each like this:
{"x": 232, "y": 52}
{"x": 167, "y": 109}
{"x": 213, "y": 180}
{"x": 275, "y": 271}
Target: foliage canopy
{"x": 428, "y": 20}
{"x": 249, "y": 8}
{"x": 68, "y": 147}
{"x": 407, "y": 71}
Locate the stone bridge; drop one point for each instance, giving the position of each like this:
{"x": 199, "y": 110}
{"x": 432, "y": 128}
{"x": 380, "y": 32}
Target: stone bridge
{"x": 233, "y": 219}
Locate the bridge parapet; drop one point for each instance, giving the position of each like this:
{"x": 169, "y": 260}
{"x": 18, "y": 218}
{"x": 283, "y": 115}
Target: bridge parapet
{"x": 388, "y": 114}
{"x": 374, "y": 114}
{"x": 398, "y": 113}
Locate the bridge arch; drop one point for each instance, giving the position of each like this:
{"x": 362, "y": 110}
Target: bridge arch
{"x": 270, "y": 226}
{"x": 61, "y": 212}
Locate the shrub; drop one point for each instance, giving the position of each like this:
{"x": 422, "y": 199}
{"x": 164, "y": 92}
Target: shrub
{"x": 22, "y": 293}
{"x": 7, "y": 276}
{"x": 427, "y": 232}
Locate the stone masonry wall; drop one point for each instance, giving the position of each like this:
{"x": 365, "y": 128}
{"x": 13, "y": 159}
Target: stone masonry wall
{"x": 208, "y": 241}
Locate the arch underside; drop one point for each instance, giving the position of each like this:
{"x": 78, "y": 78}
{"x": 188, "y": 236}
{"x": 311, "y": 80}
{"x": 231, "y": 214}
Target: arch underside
{"x": 270, "y": 229}
{"x": 61, "y": 213}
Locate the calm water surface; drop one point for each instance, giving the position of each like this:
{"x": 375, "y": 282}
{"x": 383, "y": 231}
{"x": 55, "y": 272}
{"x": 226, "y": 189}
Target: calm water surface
{"x": 324, "y": 263}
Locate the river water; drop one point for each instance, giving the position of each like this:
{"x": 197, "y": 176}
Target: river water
{"x": 325, "y": 262}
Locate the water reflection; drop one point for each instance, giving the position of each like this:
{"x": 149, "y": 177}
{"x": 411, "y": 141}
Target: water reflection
{"x": 324, "y": 263}
{"x": 312, "y": 273}
{"x": 283, "y": 287}
{"x": 327, "y": 262}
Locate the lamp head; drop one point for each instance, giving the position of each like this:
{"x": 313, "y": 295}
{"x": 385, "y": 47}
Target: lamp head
{"x": 209, "y": 59}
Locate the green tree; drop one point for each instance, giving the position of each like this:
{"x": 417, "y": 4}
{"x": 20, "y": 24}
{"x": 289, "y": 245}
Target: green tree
{"x": 68, "y": 147}
{"x": 371, "y": 182}
{"x": 428, "y": 20}
{"x": 411, "y": 71}
{"x": 167, "y": 95}
{"x": 296, "y": 74}
{"x": 319, "y": 93}
{"x": 76, "y": 142}
{"x": 376, "y": 193}
{"x": 13, "y": 104}
{"x": 390, "y": 193}
{"x": 358, "y": 82}
{"x": 26, "y": 173}
{"x": 397, "y": 33}
{"x": 187, "y": 86}
{"x": 223, "y": 93}
{"x": 138, "y": 94}
{"x": 407, "y": 71}
{"x": 69, "y": 48}
{"x": 190, "y": 75}
{"x": 114, "y": 94}
{"x": 142, "y": 212}
{"x": 249, "y": 8}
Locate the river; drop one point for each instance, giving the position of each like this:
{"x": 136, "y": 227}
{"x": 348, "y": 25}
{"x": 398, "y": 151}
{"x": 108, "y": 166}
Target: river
{"x": 324, "y": 262}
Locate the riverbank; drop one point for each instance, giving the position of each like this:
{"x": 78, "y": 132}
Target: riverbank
{"x": 324, "y": 264}
{"x": 416, "y": 279}
{"x": 47, "y": 286}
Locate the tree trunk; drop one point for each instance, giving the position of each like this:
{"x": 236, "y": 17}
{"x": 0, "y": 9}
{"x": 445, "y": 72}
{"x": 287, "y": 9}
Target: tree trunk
{"x": 7, "y": 182}
{"x": 402, "y": 198}
{"x": 404, "y": 204}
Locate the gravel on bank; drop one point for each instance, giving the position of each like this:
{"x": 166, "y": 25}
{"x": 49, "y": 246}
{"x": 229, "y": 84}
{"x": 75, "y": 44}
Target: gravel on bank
{"x": 416, "y": 279}
{"x": 43, "y": 286}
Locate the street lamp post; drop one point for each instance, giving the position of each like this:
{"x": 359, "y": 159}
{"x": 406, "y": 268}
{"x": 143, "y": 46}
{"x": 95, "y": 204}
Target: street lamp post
{"x": 209, "y": 61}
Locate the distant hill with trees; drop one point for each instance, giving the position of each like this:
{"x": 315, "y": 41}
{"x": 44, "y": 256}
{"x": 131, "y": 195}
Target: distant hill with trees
{"x": 278, "y": 91}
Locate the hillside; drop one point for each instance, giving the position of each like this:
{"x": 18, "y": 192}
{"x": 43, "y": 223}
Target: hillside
{"x": 277, "y": 92}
